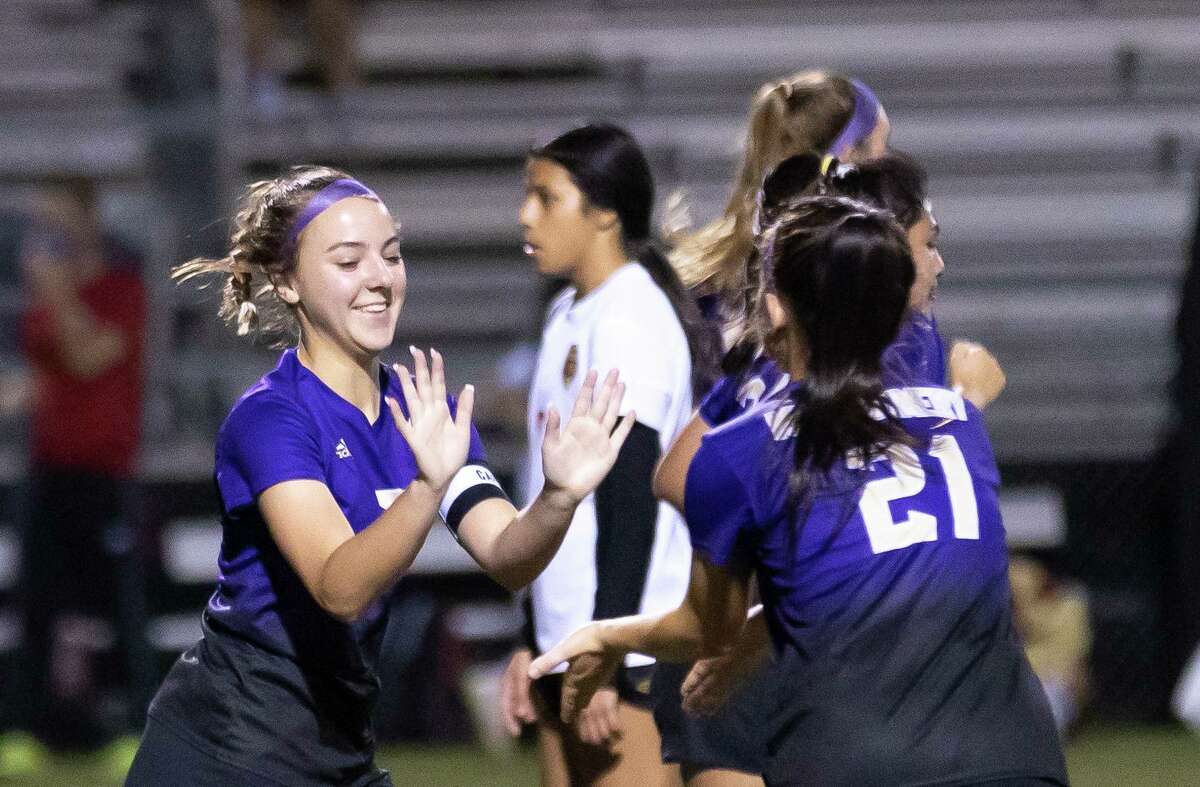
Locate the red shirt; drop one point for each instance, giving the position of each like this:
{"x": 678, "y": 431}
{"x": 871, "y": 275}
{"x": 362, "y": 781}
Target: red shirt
{"x": 89, "y": 424}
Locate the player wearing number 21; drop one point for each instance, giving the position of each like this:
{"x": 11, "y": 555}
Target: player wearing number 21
{"x": 871, "y": 519}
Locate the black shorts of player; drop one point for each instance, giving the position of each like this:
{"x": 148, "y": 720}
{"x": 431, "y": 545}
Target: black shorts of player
{"x": 167, "y": 758}
{"x": 231, "y": 709}
{"x": 734, "y": 739}
{"x": 633, "y": 686}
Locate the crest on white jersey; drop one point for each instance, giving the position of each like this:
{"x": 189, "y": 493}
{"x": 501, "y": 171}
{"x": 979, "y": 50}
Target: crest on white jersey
{"x": 571, "y": 364}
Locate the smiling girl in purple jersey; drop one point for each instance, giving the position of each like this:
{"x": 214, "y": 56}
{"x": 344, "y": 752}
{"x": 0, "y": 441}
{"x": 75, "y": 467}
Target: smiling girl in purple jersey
{"x": 331, "y": 470}
{"x": 871, "y": 519}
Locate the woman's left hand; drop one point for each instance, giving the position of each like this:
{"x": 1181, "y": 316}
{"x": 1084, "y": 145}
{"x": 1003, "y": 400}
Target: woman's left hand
{"x": 576, "y": 459}
{"x": 592, "y": 666}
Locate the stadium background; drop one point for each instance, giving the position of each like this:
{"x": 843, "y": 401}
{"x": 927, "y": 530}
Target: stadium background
{"x": 1061, "y": 139}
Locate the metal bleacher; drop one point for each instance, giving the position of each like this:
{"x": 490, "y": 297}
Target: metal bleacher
{"x": 1059, "y": 136}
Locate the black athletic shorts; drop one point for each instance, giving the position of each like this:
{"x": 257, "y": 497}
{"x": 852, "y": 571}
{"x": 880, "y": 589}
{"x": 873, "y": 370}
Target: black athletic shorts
{"x": 734, "y": 739}
{"x": 633, "y": 686}
{"x": 240, "y": 706}
{"x": 166, "y": 758}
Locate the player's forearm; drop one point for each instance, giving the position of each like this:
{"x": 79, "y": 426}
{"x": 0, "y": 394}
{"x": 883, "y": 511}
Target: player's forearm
{"x": 367, "y": 565}
{"x": 753, "y": 645}
{"x": 527, "y": 544}
{"x": 674, "y": 636}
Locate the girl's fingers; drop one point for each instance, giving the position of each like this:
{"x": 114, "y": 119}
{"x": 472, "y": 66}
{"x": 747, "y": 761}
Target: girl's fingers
{"x": 547, "y": 661}
{"x": 622, "y": 431}
{"x": 553, "y": 421}
{"x": 584, "y": 401}
{"x": 398, "y": 416}
{"x": 421, "y": 371}
{"x": 609, "y": 417}
{"x": 600, "y": 403}
{"x": 568, "y": 698}
{"x": 438, "y": 375}
{"x": 612, "y": 722}
{"x": 415, "y": 408}
{"x": 466, "y": 404}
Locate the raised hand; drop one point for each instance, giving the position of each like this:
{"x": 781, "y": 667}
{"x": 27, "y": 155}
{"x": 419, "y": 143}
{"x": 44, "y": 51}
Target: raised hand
{"x": 976, "y": 372}
{"x": 592, "y": 666}
{"x": 578, "y": 458}
{"x": 438, "y": 441}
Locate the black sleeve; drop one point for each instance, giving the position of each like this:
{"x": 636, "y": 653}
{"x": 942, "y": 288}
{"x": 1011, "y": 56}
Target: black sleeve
{"x": 626, "y": 513}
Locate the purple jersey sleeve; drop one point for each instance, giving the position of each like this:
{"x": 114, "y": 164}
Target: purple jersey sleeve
{"x": 264, "y": 442}
{"x": 718, "y": 510}
{"x": 720, "y": 404}
{"x": 733, "y": 394}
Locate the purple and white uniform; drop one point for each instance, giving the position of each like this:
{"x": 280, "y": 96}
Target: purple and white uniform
{"x": 279, "y": 687}
{"x": 887, "y": 598}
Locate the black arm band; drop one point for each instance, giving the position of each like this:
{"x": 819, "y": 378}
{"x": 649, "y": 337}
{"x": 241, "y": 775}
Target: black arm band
{"x": 472, "y": 484}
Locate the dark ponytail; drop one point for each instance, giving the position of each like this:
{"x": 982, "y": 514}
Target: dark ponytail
{"x": 843, "y": 271}
{"x": 609, "y": 168}
{"x": 894, "y": 182}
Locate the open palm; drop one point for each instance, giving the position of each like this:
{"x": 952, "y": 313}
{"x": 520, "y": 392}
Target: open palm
{"x": 439, "y": 441}
{"x": 577, "y": 458}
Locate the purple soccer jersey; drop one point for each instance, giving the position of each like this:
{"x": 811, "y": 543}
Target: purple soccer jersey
{"x": 886, "y": 595}
{"x": 916, "y": 357}
{"x": 733, "y": 394}
{"x": 286, "y": 427}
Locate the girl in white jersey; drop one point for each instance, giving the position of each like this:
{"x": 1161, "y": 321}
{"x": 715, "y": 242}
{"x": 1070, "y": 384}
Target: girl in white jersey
{"x": 586, "y": 217}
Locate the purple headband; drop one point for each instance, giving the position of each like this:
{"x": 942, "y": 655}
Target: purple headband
{"x": 321, "y": 201}
{"x": 862, "y": 120}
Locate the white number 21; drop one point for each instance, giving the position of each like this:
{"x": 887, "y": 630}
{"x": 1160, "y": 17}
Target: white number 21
{"x": 885, "y": 533}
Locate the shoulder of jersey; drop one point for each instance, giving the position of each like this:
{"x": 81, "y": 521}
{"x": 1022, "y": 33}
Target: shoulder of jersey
{"x": 930, "y": 402}
{"x": 754, "y": 425}
{"x": 274, "y": 392}
{"x": 636, "y": 296}
{"x": 560, "y": 303}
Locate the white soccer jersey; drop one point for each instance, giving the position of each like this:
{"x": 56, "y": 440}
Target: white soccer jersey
{"x": 627, "y": 323}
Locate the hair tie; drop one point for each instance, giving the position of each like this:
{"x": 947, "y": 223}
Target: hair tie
{"x": 340, "y": 189}
{"x": 247, "y": 314}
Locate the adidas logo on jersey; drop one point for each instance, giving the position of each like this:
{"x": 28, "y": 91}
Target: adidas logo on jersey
{"x": 341, "y": 450}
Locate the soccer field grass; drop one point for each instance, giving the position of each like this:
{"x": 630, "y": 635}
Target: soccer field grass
{"x": 1120, "y": 757}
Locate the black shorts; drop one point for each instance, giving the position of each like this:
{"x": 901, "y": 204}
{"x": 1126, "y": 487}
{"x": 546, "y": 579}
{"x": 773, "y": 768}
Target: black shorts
{"x": 633, "y": 686}
{"x": 243, "y": 707}
{"x": 167, "y": 758}
{"x": 734, "y": 739}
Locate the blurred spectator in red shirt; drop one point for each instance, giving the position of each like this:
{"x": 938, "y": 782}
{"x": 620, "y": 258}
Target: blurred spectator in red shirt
{"x": 82, "y": 336}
